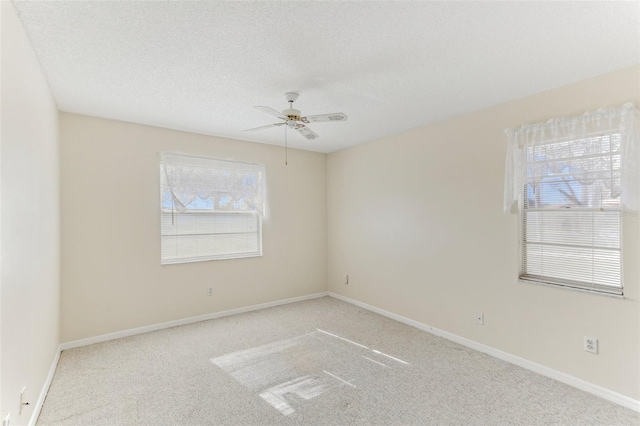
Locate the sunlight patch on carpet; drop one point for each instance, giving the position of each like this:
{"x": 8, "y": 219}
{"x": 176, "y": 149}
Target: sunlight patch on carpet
{"x": 289, "y": 373}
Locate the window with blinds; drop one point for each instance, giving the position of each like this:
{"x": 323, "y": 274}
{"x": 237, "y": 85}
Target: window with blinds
{"x": 210, "y": 209}
{"x": 195, "y": 235}
{"x": 571, "y": 215}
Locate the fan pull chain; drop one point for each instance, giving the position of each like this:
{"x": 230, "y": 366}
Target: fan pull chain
{"x": 286, "y": 162}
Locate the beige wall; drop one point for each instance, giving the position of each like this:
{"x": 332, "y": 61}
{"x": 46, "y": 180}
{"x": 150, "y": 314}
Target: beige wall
{"x": 30, "y": 222}
{"x": 416, "y": 220}
{"x": 111, "y": 273}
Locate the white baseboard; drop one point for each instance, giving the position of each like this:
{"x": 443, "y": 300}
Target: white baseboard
{"x": 175, "y": 323}
{"x": 594, "y": 389}
{"x": 45, "y": 388}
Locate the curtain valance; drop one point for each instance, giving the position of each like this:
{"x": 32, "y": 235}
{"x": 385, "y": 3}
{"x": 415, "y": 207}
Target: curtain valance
{"x": 599, "y": 150}
{"x": 229, "y": 185}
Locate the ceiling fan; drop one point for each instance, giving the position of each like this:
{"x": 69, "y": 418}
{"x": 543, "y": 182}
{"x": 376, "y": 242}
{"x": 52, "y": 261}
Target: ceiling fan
{"x": 294, "y": 119}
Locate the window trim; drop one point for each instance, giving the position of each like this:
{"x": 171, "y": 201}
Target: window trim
{"x": 566, "y": 287}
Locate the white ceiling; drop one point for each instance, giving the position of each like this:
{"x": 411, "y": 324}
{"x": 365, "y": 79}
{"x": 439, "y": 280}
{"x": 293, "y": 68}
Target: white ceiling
{"x": 390, "y": 66}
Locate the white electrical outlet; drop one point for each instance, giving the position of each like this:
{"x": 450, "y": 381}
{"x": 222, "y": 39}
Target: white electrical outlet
{"x": 7, "y": 420}
{"x": 210, "y": 291}
{"x": 591, "y": 344}
{"x": 346, "y": 279}
{"x": 479, "y": 318}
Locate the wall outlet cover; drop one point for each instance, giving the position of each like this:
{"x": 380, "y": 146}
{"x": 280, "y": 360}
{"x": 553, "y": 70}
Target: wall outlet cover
{"x": 591, "y": 344}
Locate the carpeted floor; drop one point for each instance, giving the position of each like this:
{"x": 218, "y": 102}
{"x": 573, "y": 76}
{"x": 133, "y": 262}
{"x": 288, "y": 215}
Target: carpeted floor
{"x": 321, "y": 362}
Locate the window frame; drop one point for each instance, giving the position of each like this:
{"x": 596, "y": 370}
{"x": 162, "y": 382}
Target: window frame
{"x": 256, "y": 215}
{"x": 550, "y": 281}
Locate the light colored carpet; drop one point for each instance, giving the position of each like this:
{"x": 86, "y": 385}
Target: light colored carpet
{"x": 321, "y": 362}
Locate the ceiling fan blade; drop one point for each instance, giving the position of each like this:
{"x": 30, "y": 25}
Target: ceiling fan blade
{"x": 336, "y": 116}
{"x": 307, "y": 132}
{"x": 271, "y": 111}
{"x": 263, "y": 127}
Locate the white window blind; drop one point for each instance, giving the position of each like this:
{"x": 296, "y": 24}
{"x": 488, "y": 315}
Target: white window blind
{"x": 574, "y": 179}
{"x": 571, "y": 216}
{"x": 210, "y": 209}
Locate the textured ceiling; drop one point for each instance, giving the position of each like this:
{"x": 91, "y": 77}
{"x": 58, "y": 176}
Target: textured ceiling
{"x": 390, "y": 66}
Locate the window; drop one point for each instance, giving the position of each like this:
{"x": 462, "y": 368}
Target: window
{"x": 571, "y": 216}
{"x": 575, "y": 178}
{"x": 210, "y": 209}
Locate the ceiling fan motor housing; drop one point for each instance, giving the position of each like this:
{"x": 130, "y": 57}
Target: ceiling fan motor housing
{"x": 291, "y": 113}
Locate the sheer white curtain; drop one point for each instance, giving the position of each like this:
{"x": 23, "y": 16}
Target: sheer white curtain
{"x": 600, "y": 150}
{"x": 230, "y": 185}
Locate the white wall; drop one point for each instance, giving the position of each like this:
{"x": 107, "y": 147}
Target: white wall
{"x": 416, "y": 220}
{"x": 111, "y": 274}
{"x": 30, "y": 221}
